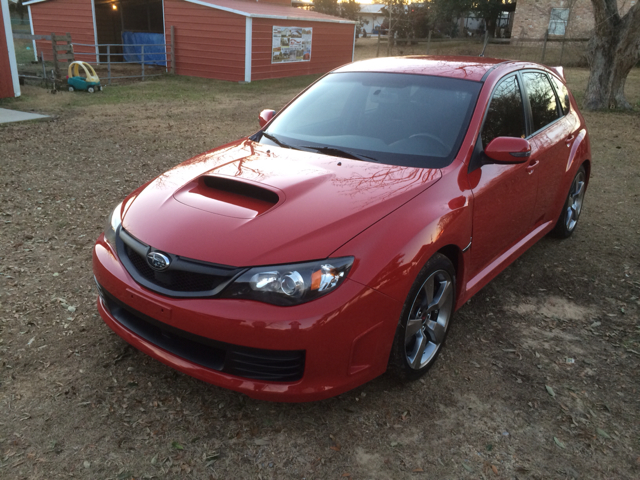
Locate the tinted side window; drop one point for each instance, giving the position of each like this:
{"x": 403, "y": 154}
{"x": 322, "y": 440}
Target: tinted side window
{"x": 544, "y": 106}
{"x": 505, "y": 117}
{"x": 563, "y": 94}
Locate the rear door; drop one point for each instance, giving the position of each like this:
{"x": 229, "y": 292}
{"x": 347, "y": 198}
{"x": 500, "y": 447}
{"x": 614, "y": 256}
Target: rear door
{"x": 551, "y": 140}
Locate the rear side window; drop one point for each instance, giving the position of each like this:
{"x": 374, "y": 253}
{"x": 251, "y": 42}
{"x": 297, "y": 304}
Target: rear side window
{"x": 544, "y": 106}
{"x": 505, "y": 117}
{"x": 563, "y": 95}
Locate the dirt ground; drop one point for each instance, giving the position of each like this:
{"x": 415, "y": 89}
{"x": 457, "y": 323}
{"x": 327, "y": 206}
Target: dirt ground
{"x": 539, "y": 378}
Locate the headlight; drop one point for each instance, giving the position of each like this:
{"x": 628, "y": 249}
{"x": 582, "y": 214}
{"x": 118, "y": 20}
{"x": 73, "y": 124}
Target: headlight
{"x": 111, "y": 228}
{"x": 290, "y": 284}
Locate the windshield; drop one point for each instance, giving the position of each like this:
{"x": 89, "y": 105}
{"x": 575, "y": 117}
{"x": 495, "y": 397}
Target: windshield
{"x": 396, "y": 119}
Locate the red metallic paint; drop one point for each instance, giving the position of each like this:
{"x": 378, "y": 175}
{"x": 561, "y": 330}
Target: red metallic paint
{"x": 265, "y": 117}
{"x": 333, "y": 207}
{"x": 465, "y": 68}
{"x": 326, "y": 328}
{"x": 502, "y": 150}
{"x": 341, "y": 207}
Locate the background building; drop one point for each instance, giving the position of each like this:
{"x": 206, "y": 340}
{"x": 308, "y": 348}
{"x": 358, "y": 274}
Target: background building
{"x": 575, "y": 17}
{"x": 223, "y": 39}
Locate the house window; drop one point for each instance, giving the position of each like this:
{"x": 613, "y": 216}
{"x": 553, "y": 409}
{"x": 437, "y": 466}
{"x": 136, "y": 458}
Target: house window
{"x": 558, "y": 21}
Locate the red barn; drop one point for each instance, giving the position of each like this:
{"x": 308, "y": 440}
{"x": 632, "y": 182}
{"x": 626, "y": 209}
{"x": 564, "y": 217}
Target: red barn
{"x": 237, "y": 40}
{"x": 9, "y": 85}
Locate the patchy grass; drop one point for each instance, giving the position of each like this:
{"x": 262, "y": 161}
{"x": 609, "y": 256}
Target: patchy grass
{"x": 167, "y": 89}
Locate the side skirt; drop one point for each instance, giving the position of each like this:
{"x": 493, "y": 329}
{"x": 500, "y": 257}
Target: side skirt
{"x": 503, "y": 261}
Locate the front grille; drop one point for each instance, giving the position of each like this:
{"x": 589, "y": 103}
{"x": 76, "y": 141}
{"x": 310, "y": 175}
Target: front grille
{"x": 184, "y": 277}
{"x": 177, "y": 280}
{"x": 253, "y": 363}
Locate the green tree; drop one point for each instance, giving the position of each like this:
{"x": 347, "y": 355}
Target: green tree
{"x": 396, "y": 20}
{"x": 329, "y": 7}
{"x": 489, "y": 10}
{"x": 349, "y": 9}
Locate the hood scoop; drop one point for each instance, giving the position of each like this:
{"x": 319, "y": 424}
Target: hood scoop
{"x": 229, "y": 197}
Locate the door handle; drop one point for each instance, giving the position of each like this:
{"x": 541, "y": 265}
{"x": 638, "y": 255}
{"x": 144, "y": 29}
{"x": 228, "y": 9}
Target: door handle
{"x": 532, "y": 164}
{"x": 569, "y": 139}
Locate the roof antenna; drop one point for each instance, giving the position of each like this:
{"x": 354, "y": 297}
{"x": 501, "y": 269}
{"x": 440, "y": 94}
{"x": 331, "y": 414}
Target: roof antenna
{"x": 486, "y": 41}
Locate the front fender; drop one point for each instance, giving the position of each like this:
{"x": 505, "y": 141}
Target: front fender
{"x": 390, "y": 254}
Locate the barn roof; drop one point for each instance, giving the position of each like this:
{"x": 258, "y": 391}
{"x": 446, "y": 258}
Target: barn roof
{"x": 253, "y": 9}
{"x": 248, "y": 8}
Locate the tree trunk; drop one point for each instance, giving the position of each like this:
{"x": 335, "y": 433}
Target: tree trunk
{"x": 491, "y": 23}
{"x": 613, "y": 51}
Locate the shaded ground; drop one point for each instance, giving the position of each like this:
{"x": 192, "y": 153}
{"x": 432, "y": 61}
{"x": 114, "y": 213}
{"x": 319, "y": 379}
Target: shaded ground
{"x": 539, "y": 378}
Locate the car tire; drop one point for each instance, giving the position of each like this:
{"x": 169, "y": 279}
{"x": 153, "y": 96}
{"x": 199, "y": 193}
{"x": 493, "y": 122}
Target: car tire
{"x": 572, "y": 206}
{"x": 425, "y": 320}
{"x": 71, "y": 89}
{"x": 91, "y": 89}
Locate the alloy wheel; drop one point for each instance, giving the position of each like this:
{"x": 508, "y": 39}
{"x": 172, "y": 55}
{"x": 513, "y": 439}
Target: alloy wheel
{"x": 428, "y": 319}
{"x": 576, "y": 197}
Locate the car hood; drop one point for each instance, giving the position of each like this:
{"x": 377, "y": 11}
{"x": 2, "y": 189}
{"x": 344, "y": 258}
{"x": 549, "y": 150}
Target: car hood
{"x": 248, "y": 204}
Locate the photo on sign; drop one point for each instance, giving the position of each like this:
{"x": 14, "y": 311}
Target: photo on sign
{"x": 291, "y": 44}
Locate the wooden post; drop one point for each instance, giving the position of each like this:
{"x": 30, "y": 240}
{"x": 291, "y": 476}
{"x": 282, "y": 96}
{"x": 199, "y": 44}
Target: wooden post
{"x": 486, "y": 42}
{"x": 566, "y": 28}
{"x": 56, "y": 72}
{"x": 44, "y": 69}
{"x": 544, "y": 46}
{"x": 378, "y": 50}
{"x": 562, "y": 49}
{"x": 109, "y": 63}
{"x": 428, "y": 42}
{"x": 173, "y": 50}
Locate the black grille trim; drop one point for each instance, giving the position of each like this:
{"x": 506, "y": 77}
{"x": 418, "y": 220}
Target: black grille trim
{"x": 246, "y": 362}
{"x": 184, "y": 278}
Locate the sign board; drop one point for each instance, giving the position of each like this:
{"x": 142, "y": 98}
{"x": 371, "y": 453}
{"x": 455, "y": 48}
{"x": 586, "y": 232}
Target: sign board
{"x": 291, "y": 44}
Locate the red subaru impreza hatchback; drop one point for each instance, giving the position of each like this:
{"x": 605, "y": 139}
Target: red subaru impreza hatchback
{"x": 337, "y": 241}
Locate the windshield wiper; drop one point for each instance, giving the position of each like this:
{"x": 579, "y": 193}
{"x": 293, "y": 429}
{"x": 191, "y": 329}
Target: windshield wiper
{"x": 338, "y": 152}
{"x": 275, "y": 140}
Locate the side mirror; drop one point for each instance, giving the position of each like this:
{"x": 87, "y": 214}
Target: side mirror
{"x": 508, "y": 150}
{"x": 265, "y": 117}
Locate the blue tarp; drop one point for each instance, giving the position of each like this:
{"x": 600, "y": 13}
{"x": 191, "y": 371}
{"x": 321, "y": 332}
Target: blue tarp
{"x": 153, "y": 47}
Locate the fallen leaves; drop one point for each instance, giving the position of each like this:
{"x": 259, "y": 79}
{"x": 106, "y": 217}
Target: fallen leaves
{"x": 336, "y": 445}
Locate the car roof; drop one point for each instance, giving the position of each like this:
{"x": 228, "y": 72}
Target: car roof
{"x": 467, "y": 68}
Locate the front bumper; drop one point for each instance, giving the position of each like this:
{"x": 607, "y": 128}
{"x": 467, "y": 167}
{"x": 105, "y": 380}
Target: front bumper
{"x": 327, "y": 346}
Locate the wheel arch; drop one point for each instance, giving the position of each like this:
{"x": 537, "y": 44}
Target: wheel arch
{"x": 587, "y": 166}
{"x": 456, "y": 257}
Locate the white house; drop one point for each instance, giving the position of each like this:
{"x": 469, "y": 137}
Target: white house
{"x": 372, "y": 17}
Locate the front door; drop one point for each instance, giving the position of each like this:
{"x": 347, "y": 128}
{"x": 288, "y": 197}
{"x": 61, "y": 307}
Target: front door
{"x": 504, "y": 196}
